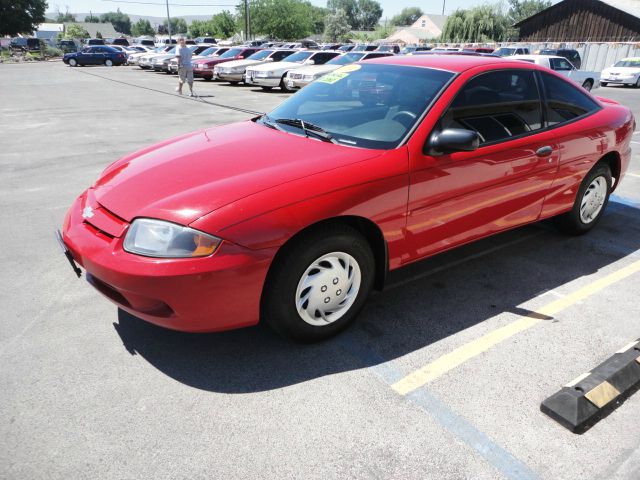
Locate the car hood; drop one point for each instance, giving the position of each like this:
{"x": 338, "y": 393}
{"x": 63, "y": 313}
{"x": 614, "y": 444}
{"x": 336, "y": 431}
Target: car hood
{"x": 244, "y": 63}
{"x": 627, "y": 70}
{"x": 182, "y": 179}
{"x": 268, "y": 67}
{"x": 318, "y": 69}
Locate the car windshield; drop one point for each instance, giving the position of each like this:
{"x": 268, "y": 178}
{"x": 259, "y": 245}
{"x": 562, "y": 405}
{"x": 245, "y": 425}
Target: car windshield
{"x": 231, "y": 53}
{"x": 504, "y": 51}
{"x": 208, "y": 51}
{"x": 366, "y": 106}
{"x": 346, "y": 59}
{"x": 299, "y": 57}
{"x": 260, "y": 55}
{"x": 628, "y": 62}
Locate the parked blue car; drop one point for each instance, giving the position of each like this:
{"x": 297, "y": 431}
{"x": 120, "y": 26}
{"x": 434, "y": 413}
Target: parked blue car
{"x": 95, "y": 55}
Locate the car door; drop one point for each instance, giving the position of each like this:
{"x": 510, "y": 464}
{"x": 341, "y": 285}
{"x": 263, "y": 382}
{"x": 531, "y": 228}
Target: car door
{"x": 459, "y": 196}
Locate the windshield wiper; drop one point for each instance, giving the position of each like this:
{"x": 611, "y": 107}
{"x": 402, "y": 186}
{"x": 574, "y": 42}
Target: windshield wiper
{"x": 309, "y": 129}
{"x": 266, "y": 121}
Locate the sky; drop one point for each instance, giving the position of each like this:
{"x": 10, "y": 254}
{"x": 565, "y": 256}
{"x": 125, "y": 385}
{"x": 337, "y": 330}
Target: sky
{"x": 390, "y": 7}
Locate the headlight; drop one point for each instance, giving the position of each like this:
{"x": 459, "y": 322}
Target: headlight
{"x": 309, "y": 78}
{"x": 156, "y": 238}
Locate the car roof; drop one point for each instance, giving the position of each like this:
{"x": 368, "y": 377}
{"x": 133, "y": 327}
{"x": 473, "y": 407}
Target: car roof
{"x": 452, "y": 63}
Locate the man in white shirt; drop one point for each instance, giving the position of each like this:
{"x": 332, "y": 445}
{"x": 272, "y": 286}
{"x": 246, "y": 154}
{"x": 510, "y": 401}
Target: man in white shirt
{"x": 185, "y": 68}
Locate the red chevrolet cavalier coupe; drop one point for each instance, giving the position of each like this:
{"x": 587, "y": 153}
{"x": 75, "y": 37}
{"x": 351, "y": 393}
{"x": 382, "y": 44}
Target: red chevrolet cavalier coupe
{"x": 293, "y": 217}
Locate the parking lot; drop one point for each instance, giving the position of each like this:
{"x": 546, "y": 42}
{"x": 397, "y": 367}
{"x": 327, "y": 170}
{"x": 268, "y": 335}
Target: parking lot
{"x": 421, "y": 386}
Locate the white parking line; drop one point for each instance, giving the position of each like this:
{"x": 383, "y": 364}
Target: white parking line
{"x": 633, "y": 175}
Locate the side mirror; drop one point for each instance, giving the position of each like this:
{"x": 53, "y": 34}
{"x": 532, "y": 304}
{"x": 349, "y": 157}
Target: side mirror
{"x": 452, "y": 140}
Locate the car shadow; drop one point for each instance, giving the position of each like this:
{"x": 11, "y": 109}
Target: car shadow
{"x": 422, "y": 304}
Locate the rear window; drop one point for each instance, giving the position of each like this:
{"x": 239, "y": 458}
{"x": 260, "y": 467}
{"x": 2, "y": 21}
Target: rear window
{"x": 565, "y": 102}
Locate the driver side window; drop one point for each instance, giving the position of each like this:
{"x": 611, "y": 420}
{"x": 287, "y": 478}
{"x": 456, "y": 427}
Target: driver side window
{"x": 497, "y": 105}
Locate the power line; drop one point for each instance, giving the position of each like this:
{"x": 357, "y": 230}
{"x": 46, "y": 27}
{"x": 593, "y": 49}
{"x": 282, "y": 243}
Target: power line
{"x": 175, "y": 4}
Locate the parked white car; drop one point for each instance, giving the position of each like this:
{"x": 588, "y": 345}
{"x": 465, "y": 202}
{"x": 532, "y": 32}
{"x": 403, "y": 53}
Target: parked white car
{"x": 272, "y": 75}
{"x": 212, "y": 51}
{"x": 146, "y": 61}
{"x": 623, "y": 72}
{"x": 233, "y": 72}
{"x": 302, "y": 77}
{"x": 586, "y": 79}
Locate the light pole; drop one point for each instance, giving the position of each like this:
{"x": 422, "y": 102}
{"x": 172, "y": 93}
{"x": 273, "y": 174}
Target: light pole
{"x": 246, "y": 19}
{"x": 168, "y": 22}
{"x": 444, "y": 2}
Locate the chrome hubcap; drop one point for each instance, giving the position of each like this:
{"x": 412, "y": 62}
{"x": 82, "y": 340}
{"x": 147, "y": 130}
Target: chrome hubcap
{"x": 328, "y": 288}
{"x": 593, "y": 199}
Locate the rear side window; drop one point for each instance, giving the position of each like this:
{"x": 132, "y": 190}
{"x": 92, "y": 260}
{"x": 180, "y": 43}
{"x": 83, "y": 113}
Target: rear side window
{"x": 564, "y": 100}
{"x": 560, "y": 64}
{"x": 323, "y": 57}
{"x": 498, "y": 105}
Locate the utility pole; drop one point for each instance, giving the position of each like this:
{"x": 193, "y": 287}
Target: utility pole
{"x": 168, "y": 22}
{"x": 246, "y": 19}
{"x": 444, "y": 2}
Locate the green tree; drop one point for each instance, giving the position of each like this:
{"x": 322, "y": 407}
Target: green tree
{"x": 223, "y": 24}
{"x": 65, "y": 17}
{"x": 75, "y": 31}
{"x": 21, "y": 16}
{"x": 142, "y": 27}
{"x": 92, "y": 19}
{"x": 521, "y": 9}
{"x": 283, "y": 19}
{"x": 120, "y": 21}
{"x": 318, "y": 16}
{"x": 98, "y": 34}
{"x": 337, "y": 26}
{"x": 361, "y": 14}
{"x": 407, "y": 16}
{"x": 199, "y": 28}
{"x": 479, "y": 24}
{"x": 178, "y": 26}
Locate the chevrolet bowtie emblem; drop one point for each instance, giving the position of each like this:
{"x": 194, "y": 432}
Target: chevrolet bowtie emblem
{"x": 87, "y": 212}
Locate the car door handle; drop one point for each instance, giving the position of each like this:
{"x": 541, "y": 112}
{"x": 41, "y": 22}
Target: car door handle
{"x": 544, "y": 151}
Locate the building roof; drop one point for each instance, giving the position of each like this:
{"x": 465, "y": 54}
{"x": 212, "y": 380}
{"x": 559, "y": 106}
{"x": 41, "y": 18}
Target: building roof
{"x": 630, "y": 7}
{"x": 50, "y": 27}
{"x": 105, "y": 29}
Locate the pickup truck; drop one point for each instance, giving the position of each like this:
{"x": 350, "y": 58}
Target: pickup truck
{"x": 587, "y": 80}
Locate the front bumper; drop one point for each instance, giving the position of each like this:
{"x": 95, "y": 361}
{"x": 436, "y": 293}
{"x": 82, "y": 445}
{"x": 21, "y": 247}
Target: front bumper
{"x": 263, "y": 81}
{"x": 202, "y": 73}
{"x": 296, "y": 82}
{"x": 619, "y": 81}
{"x": 230, "y": 77}
{"x": 206, "y": 294}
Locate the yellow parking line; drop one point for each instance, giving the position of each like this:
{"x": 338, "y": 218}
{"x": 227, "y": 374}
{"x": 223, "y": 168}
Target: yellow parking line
{"x": 457, "y": 357}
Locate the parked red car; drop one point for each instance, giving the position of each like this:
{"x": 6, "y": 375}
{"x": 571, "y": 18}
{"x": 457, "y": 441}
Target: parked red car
{"x": 203, "y": 67}
{"x": 295, "y": 216}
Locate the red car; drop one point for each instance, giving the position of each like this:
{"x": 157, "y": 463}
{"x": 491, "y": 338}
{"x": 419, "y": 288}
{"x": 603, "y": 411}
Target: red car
{"x": 293, "y": 217}
{"x": 203, "y": 67}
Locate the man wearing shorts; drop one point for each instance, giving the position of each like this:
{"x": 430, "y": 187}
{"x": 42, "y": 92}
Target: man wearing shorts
{"x": 185, "y": 69}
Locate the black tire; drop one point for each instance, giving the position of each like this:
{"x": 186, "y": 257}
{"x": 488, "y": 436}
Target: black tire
{"x": 571, "y": 222}
{"x": 207, "y": 79}
{"x": 283, "y": 85}
{"x": 603, "y": 84}
{"x": 587, "y": 85}
{"x": 278, "y": 299}
{"x": 637, "y": 85}
{"x": 108, "y": 63}
{"x": 267, "y": 89}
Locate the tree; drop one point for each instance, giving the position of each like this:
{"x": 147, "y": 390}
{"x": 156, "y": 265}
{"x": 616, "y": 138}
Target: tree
{"x": 479, "y": 24}
{"x": 369, "y": 12}
{"x": 407, "y": 16}
{"x": 521, "y": 9}
{"x": 21, "y": 16}
{"x": 283, "y": 19}
{"x": 65, "y": 17}
{"x": 178, "y": 26}
{"x": 337, "y": 26}
{"x": 120, "y": 21}
{"x": 75, "y": 31}
{"x": 318, "y": 16}
{"x": 223, "y": 24}
{"x": 91, "y": 18}
{"x": 142, "y": 27}
{"x": 349, "y": 7}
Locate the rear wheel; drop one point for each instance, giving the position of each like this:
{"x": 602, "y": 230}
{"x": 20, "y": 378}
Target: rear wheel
{"x": 603, "y": 84}
{"x": 108, "y": 62}
{"x": 320, "y": 286}
{"x": 590, "y": 203}
{"x": 587, "y": 85}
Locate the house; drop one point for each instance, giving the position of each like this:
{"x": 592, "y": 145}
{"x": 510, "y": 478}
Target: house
{"x": 584, "y": 21}
{"x": 427, "y": 27}
{"x": 49, "y": 31}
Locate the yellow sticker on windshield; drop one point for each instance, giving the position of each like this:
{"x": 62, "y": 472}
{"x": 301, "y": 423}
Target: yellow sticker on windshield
{"x": 348, "y": 68}
{"x": 332, "y": 77}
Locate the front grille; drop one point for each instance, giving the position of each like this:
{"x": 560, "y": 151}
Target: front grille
{"x": 295, "y": 76}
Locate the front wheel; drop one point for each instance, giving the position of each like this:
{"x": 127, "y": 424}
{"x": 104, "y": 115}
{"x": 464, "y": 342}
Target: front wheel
{"x": 108, "y": 63}
{"x": 320, "y": 286}
{"x": 603, "y": 84}
{"x": 283, "y": 84}
{"x": 590, "y": 203}
{"x": 638, "y": 83}
{"x": 73, "y": 62}
{"x": 587, "y": 85}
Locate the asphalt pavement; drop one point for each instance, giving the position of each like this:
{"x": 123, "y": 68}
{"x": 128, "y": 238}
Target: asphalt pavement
{"x": 87, "y": 391}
